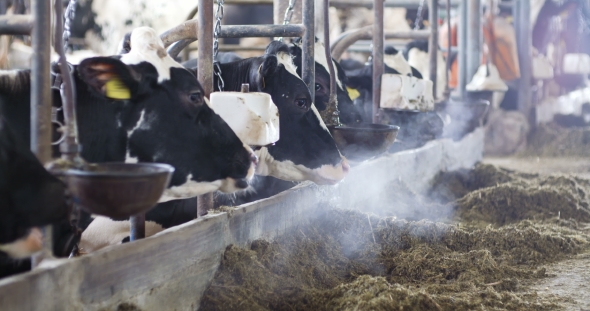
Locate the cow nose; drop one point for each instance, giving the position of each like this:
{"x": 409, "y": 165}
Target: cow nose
{"x": 241, "y": 183}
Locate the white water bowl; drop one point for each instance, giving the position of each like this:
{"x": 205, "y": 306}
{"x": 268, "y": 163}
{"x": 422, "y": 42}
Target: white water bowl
{"x": 406, "y": 93}
{"x": 576, "y": 63}
{"x": 252, "y": 116}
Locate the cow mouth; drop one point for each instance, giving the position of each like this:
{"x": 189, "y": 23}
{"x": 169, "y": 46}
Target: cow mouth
{"x": 230, "y": 185}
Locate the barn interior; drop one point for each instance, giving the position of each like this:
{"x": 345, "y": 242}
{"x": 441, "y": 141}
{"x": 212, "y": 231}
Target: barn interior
{"x": 365, "y": 170}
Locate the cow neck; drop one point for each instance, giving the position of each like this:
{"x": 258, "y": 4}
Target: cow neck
{"x": 236, "y": 73}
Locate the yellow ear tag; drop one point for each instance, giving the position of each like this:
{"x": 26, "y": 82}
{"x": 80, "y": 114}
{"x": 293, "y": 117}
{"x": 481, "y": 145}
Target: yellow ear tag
{"x": 353, "y": 93}
{"x": 115, "y": 89}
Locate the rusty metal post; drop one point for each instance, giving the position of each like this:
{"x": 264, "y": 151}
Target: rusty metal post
{"x": 473, "y": 38}
{"x": 330, "y": 115}
{"x": 308, "y": 44}
{"x": 433, "y": 43}
{"x": 378, "y": 68}
{"x": 41, "y": 100}
{"x": 205, "y": 73}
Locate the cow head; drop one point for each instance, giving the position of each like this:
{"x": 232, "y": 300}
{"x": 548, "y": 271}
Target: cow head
{"x": 322, "y": 82}
{"x": 305, "y": 150}
{"x": 166, "y": 118}
{"x": 29, "y": 195}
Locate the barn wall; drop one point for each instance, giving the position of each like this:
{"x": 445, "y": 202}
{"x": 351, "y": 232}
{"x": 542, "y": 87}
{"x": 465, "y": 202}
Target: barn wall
{"x": 171, "y": 270}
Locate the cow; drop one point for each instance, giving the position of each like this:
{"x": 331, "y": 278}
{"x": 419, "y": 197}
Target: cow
{"x": 348, "y": 113}
{"x": 305, "y": 150}
{"x": 30, "y": 197}
{"x": 145, "y": 107}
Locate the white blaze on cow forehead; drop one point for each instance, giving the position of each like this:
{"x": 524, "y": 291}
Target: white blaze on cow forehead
{"x": 140, "y": 124}
{"x": 319, "y": 117}
{"x": 146, "y": 46}
{"x": 398, "y": 62}
{"x": 286, "y": 60}
{"x": 320, "y": 58}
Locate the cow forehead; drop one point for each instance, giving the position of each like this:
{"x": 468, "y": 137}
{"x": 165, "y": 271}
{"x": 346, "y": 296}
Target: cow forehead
{"x": 320, "y": 58}
{"x": 286, "y": 60}
{"x": 146, "y": 46}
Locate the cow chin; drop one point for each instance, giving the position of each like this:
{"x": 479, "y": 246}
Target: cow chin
{"x": 287, "y": 170}
{"x": 24, "y": 247}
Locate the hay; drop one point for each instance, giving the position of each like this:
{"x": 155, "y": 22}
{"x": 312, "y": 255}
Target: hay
{"x": 551, "y": 140}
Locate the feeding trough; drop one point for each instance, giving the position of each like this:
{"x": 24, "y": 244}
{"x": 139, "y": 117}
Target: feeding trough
{"x": 360, "y": 142}
{"x": 252, "y": 116}
{"x": 118, "y": 190}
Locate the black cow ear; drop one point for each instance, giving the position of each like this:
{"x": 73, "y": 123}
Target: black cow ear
{"x": 109, "y": 77}
{"x": 267, "y": 68}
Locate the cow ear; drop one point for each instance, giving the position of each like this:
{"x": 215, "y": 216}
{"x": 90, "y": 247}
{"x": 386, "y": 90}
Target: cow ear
{"x": 109, "y": 77}
{"x": 267, "y": 68}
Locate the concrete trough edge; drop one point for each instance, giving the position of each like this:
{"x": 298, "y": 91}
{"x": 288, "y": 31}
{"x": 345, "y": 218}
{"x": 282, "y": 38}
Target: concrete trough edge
{"x": 171, "y": 270}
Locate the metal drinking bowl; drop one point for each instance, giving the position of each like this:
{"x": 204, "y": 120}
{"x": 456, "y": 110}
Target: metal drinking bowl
{"x": 118, "y": 190}
{"x": 363, "y": 141}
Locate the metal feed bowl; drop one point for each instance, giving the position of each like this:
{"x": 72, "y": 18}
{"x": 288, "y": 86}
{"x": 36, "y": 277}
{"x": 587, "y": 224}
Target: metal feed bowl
{"x": 118, "y": 190}
{"x": 363, "y": 141}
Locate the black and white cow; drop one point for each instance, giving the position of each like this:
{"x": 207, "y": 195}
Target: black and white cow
{"x": 29, "y": 197}
{"x": 143, "y": 106}
{"x": 305, "y": 150}
{"x": 348, "y": 113}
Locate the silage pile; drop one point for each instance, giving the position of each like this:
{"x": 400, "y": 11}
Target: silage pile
{"x": 511, "y": 225}
{"x": 551, "y": 140}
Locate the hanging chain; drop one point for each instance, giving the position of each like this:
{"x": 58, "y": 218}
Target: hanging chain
{"x": 419, "y": 15}
{"x": 216, "y": 31}
{"x": 69, "y": 17}
{"x": 288, "y": 15}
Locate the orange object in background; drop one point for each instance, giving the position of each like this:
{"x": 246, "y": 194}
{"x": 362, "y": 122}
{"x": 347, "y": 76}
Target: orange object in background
{"x": 501, "y": 42}
{"x": 504, "y": 45}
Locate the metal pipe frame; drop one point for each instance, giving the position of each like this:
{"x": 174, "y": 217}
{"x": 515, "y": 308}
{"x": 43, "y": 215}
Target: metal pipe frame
{"x": 16, "y": 24}
{"x": 433, "y": 43}
{"x": 378, "y": 46}
{"x": 408, "y": 4}
{"x": 524, "y": 39}
{"x": 348, "y": 38}
{"x": 41, "y": 99}
{"x": 205, "y": 73}
{"x": 462, "y": 44}
{"x": 473, "y": 42}
{"x": 308, "y": 45}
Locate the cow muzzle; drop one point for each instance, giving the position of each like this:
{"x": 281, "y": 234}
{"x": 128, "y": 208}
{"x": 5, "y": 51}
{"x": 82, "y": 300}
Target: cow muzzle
{"x": 230, "y": 185}
{"x": 331, "y": 174}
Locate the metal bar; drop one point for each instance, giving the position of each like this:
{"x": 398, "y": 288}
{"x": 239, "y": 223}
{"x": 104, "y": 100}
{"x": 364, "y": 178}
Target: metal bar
{"x": 524, "y": 38}
{"x": 408, "y": 4}
{"x": 346, "y": 39}
{"x": 205, "y": 73}
{"x": 137, "y": 227}
{"x": 433, "y": 43}
{"x": 473, "y": 38}
{"x": 330, "y": 114}
{"x": 378, "y": 67}
{"x": 41, "y": 100}
{"x": 462, "y": 38}
{"x": 449, "y": 47}
{"x": 69, "y": 147}
{"x": 191, "y": 29}
{"x": 308, "y": 45}
{"x": 244, "y": 31}
{"x": 16, "y": 24}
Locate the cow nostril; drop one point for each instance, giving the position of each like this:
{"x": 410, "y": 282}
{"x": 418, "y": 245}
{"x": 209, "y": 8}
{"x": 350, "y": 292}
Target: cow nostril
{"x": 241, "y": 183}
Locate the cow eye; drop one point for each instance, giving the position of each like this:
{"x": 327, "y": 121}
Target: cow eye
{"x": 302, "y": 103}
{"x": 318, "y": 87}
{"x": 195, "y": 97}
